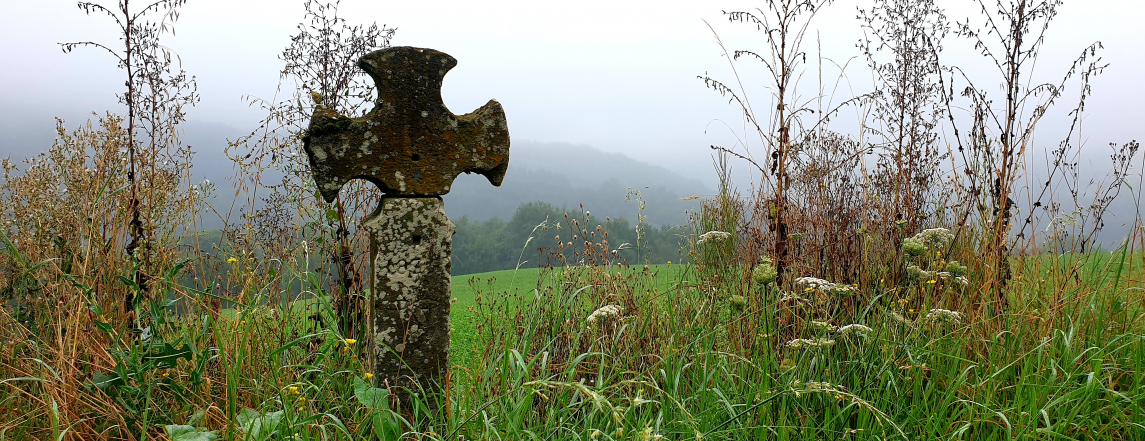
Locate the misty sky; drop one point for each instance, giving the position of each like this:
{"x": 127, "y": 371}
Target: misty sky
{"x": 617, "y": 75}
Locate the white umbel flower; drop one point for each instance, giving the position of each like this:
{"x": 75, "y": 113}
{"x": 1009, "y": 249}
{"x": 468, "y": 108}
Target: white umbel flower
{"x": 855, "y": 329}
{"x": 943, "y": 315}
{"x": 823, "y": 325}
{"x": 604, "y": 312}
{"x": 810, "y": 343}
{"x": 814, "y": 283}
{"x": 716, "y": 236}
{"x": 935, "y": 237}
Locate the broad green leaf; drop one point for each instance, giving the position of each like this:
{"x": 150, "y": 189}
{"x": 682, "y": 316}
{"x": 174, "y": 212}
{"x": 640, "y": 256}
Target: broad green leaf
{"x": 103, "y": 381}
{"x": 369, "y": 396}
{"x": 196, "y": 417}
{"x": 385, "y": 426}
{"x": 167, "y": 355}
{"x": 258, "y": 426}
{"x": 180, "y": 432}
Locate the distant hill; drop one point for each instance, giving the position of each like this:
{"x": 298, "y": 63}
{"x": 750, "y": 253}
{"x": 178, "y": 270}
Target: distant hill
{"x": 564, "y": 175}
{"x": 570, "y": 175}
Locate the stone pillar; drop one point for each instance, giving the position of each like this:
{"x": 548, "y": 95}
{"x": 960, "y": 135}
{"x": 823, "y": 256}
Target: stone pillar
{"x": 410, "y": 244}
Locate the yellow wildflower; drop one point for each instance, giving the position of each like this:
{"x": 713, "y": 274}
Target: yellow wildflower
{"x": 351, "y": 341}
{"x": 232, "y": 260}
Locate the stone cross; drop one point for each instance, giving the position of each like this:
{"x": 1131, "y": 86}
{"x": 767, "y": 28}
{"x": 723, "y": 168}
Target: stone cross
{"x": 412, "y": 147}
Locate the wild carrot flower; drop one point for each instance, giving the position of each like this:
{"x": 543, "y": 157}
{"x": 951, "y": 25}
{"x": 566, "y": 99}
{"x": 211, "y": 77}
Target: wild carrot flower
{"x": 935, "y": 237}
{"x": 810, "y": 343}
{"x": 813, "y": 283}
{"x": 855, "y": 329}
{"x": 913, "y": 246}
{"x": 604, "y": 312}
{"x": 943, "y": 316}
{"x": 792, "y": 297}
{"x": 717, "y": 236}
{"x": 955, "y": 268}
{"x": 913, "y": 273}
{"x": 764, "y": 273}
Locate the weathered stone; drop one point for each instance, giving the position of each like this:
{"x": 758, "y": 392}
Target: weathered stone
{"x": 410, "y": 143}
{"x": 411, "y": 241}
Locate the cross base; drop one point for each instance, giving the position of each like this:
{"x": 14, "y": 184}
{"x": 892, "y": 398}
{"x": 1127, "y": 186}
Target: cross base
{"x": 411, "y": 240}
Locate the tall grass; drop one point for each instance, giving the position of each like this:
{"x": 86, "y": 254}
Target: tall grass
{"x": 839, "y": 298}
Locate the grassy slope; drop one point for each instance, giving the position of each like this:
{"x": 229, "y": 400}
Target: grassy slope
{"x": 466, "y": 287}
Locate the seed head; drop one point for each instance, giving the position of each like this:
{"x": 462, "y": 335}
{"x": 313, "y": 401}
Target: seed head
{"x": 764, "y": 273}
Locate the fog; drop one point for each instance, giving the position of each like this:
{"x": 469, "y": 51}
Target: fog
{"x": 619, "y": 76}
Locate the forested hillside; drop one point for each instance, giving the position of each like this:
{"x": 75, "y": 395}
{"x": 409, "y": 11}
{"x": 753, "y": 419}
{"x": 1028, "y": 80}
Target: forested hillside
{"x": 495, "y": 244}
{"x": 568, "y": 175}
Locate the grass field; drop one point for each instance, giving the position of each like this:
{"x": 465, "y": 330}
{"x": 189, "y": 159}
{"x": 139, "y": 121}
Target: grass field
{"x": 687, "y": 361}
{"x": 513, "y": 282}
{"x": 685, "y": 352}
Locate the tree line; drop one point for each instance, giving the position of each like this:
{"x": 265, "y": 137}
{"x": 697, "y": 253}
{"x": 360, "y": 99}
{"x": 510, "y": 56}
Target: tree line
{"x": 529, "y": 237}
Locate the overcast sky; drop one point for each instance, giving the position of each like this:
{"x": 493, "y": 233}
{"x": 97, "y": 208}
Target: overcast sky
{"x": 618, "y": 75}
